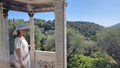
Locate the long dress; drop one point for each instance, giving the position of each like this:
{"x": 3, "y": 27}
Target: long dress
{"x": 21, "y": 43}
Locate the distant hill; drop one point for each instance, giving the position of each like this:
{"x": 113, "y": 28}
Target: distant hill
{"x": 116, "y": 25}
{"x": 88, "y": 29}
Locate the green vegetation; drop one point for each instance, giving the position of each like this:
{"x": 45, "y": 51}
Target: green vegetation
{"x": 89, "y": 45}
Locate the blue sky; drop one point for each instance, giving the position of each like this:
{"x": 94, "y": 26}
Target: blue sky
{"x": 103, "y": 12}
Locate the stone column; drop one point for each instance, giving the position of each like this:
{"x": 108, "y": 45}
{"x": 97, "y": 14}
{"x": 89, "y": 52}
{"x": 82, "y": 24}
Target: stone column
{"x": 1, "y": 36}
{"x": 60, "y": 34}
{"x": 5, "y": 37}
{"x": 32, "y": 48}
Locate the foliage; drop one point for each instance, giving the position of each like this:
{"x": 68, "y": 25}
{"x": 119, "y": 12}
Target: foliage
{"x": 109, "y": 40}
{"x": 81, "y": 61}
{"x": 50, "y": 42}
{"x": 74, "y": 41}
{"x": 39, "y": 37}
{"x": 88, "y": 29}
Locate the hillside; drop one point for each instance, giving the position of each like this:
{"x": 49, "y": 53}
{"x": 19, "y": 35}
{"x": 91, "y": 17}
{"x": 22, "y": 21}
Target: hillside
{"x": 116, "y": 25}
{"x": 88, "y": 29}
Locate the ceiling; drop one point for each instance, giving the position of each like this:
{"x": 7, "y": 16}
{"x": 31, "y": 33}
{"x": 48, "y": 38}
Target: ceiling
{"x": 37, "y": 5}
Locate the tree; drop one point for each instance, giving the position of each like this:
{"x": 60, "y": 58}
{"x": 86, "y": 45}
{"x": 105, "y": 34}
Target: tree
{"x": 50, "y": 41}
{"x": 74, "y": 42}
{"x": 39, "y": 37}
{"x": 88, "y": 29}
{"x": 81, "y": 61}
{"x": 109, "y": 40}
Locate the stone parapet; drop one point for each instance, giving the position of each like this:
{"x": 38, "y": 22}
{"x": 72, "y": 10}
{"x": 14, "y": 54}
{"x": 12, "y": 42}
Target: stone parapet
{"x": 44, "y": 59}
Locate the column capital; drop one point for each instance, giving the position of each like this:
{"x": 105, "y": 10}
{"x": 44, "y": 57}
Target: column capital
{"x": 30, "y": 10}
{"x": 5, "y": 12}
{"x": 3, "y": 9}
{"x": 31, "y": 13}
{"x": 59, "y": 2}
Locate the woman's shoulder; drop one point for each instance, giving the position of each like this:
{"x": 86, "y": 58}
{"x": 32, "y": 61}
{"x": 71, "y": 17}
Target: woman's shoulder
{"x": 17, "y": 39}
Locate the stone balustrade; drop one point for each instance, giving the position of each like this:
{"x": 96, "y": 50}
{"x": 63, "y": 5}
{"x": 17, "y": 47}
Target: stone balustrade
{"x": 44, "y": 59}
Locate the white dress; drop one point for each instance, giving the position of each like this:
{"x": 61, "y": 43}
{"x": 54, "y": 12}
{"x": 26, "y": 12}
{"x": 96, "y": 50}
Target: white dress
{"x": 21, "y": 43}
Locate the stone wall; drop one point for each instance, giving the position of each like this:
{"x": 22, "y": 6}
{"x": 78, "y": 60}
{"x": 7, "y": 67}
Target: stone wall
{"x": 44, "y": 59}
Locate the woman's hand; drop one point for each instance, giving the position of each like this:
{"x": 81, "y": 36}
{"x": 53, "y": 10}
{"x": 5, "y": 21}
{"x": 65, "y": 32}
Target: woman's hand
{"x": 22, "y": 64}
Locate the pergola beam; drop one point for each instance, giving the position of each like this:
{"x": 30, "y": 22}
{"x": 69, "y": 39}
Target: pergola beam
{"x": 46, "y": 9}
{"x": 49, "y": 9}
{"x": 17, "y": 5}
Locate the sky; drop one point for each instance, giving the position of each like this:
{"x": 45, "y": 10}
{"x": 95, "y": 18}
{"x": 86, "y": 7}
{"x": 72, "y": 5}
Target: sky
{"x": 102, "y": 12}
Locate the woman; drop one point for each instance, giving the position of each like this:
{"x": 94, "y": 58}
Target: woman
{"x": 21, "y": 51}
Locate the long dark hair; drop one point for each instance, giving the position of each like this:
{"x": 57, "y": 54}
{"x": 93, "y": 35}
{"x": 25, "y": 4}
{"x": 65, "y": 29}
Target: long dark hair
{"x": 18, "y": 33}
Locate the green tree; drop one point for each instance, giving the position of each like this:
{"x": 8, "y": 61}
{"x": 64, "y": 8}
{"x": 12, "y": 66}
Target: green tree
{"x": 50, "y": 41}
{"x": 109, "y": 40}
{"x": 81, "y": 61}
{"x": 74, "y": 43}
{"x": 88, "y": 29}
{"x": 39, "y": 37}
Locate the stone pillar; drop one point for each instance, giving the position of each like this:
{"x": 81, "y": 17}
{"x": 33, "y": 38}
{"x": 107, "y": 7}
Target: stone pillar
{"x": 32, "y": 48}
{"x": 5, "y": 37}
{"x": 1, "y": 36}
{"x": 60, "y": 34}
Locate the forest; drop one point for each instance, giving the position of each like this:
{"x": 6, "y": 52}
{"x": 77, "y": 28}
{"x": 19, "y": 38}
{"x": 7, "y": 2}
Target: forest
{"x": 89, "y": 45}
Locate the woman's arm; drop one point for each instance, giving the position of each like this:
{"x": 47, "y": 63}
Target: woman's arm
{"x": 28, "y": 45}
{"x": 22, "y": 64}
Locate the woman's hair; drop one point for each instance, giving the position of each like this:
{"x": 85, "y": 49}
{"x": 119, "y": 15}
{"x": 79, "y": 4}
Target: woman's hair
{"x": 18, "y": 33}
